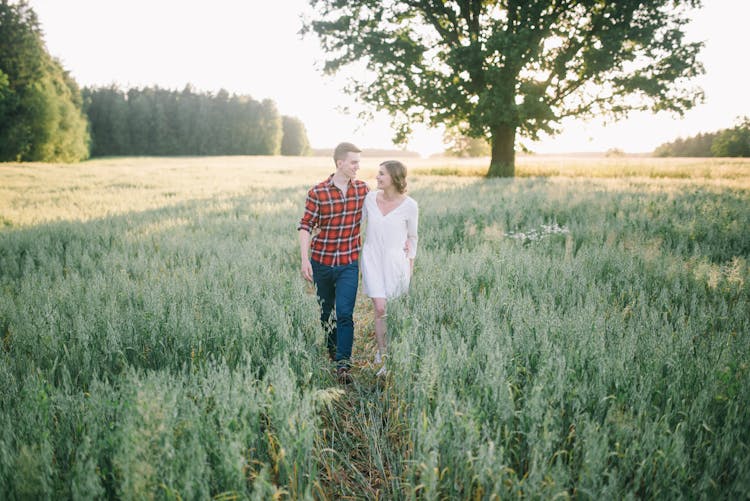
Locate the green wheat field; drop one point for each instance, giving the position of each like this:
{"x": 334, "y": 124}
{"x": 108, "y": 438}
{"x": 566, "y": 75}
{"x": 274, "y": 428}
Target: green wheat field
{"x": 581, "y": 331}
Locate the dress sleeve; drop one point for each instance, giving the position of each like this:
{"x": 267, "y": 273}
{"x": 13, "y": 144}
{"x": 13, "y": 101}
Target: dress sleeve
{"x": 411, "y": 230}
{"x": 364, "y": 209}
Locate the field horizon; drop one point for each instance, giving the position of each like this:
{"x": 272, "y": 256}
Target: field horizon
{"x": 170, "y": 179}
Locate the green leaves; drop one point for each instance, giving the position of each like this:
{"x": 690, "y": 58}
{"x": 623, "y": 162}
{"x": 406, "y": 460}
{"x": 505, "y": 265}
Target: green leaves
{"x": 486, "y": 66}
{"x": 734, "y": 142}
{"x": 40, "y": 105}
{"x": 294, "y": 137}
{"x": 157, "y": 121}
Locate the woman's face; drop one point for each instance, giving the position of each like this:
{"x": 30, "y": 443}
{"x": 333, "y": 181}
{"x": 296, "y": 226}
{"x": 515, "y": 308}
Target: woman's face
{"x": 383, "y": 178}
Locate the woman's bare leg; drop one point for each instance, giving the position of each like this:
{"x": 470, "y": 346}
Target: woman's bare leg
{"x": 378, "y": 304}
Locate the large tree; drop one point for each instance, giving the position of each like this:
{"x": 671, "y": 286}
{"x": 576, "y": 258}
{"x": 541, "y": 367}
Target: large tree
{"x": 294, "y": 141}
{"x": 506, "y": 67}
{"x": 41, "y": 117}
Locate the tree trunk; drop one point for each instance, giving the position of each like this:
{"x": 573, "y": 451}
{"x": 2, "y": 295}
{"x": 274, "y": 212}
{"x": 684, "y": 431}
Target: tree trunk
{"x": 503, "y": 163}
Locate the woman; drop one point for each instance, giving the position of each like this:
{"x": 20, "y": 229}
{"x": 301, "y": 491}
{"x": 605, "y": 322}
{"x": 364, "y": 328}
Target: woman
{"x": 386, "y": 262}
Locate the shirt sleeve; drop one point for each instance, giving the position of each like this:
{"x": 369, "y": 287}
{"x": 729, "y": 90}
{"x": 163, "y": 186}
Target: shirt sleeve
{"x": 311, "y": 215}
{"x": 412, "y": 224}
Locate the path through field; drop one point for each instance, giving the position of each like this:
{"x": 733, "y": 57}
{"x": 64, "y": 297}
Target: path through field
{"x": 358, "y": 429}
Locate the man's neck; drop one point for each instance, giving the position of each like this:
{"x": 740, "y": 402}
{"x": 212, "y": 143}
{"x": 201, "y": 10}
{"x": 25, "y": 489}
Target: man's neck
{"x": 341, "y": 181}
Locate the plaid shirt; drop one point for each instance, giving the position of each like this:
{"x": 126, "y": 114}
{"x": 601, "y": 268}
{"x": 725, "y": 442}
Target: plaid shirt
{"x": 338, "y": 217}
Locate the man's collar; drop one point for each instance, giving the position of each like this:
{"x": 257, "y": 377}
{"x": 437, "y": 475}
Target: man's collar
{"x": 331, "y": 183}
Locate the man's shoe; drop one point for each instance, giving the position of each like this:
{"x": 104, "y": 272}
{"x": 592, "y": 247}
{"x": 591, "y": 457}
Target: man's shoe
{"x": 342, "y": 374}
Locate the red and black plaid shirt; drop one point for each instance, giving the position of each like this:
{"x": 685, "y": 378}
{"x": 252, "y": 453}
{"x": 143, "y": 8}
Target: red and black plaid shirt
{"x": 338, "y": 217}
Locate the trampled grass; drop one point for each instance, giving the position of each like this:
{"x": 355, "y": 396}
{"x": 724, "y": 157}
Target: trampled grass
{"x": 158, "y": 342}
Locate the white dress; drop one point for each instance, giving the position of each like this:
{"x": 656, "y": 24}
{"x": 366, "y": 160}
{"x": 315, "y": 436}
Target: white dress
{"x": 384, "y": 264}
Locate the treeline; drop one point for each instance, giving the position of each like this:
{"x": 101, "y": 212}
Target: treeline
{"x": 370, "y": 152}
{"x": 733, "y": 142}
{"x": 155, "y": 121}
{"x": 41, "y": 117}
{"x": 45, "y": 117}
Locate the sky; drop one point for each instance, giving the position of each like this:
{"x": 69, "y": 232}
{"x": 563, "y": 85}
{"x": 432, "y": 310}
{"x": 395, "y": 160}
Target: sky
{"x": 253, "y": 47}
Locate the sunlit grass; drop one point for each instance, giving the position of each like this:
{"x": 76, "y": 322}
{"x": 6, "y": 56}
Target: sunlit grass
{"x": 734, "y": 171}
{"x": 33, "y": 193}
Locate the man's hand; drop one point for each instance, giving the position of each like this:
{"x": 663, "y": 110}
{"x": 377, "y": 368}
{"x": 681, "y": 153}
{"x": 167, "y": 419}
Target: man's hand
{"x": 307, "y": 271}
{"x": 304, "y": 246}
{"x": 407, "y": 248}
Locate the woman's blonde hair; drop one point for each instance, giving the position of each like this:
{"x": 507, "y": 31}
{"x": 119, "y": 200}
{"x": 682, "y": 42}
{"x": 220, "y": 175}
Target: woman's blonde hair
{"x": 397, "y": 171}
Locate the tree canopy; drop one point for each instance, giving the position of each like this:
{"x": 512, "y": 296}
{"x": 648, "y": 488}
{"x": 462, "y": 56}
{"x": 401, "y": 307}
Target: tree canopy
{"x": 693, "y": 146}
{"x": 499, "y": 68}
{"x": 41, "y": 116}
{"x": 732, "y": 142}
{"x": 294, "y": 139}
{"x": 157, "y": 121}
{"x": 461, "y": 145}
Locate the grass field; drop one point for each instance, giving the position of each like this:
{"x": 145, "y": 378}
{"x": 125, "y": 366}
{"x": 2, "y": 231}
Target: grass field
{"x": 581, "y": 331}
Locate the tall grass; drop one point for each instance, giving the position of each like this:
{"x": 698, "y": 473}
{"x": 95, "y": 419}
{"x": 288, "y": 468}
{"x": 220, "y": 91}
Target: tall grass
{"x": 608, "y": 361}
{"x": 158, "y": 342}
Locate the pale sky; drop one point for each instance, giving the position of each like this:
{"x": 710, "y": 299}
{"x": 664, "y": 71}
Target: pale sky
{"x": 252, "y": 47}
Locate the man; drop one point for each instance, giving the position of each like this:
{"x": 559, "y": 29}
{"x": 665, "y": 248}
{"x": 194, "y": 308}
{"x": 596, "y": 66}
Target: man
{"x": 334, "y": 209}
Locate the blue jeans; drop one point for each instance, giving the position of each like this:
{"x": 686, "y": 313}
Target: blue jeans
{"x": 336, "y": 287}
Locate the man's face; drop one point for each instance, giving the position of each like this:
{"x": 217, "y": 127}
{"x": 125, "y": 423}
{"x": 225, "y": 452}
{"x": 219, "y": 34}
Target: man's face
{"x": 349, "y": 165}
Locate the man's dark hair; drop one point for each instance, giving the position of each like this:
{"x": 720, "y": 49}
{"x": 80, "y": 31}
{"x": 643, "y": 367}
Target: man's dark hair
{"x": 342, "y": 149}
